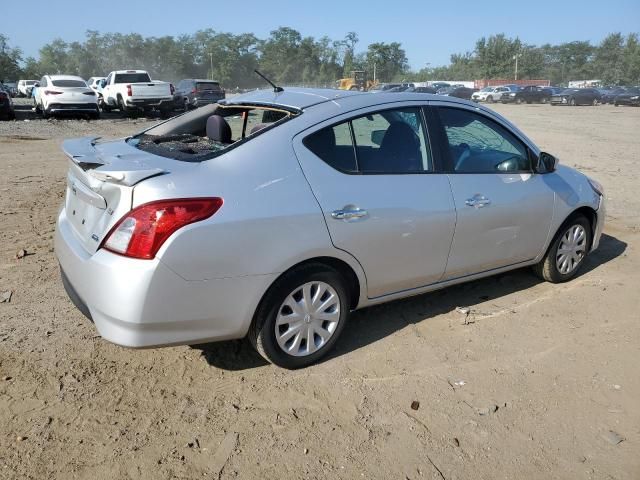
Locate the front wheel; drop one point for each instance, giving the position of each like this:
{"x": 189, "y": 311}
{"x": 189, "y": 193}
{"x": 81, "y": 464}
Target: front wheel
{"x": 490, "y": 99}
{"x": 567, "y": 252}
{"x": 301, "y": 316}
{"x": 572, "y": 102}
{"x": 595, "y": 102}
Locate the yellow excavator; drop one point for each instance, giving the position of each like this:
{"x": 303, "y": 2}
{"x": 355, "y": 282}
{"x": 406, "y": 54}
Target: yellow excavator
{"x": 357, "y": 81}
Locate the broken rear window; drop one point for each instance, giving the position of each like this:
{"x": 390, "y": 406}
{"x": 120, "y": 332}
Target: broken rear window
{"x": 209, "y": 131}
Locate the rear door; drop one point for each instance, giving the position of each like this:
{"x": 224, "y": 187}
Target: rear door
{"x": 383, "y": 198}
{"x": 504, "y": 210}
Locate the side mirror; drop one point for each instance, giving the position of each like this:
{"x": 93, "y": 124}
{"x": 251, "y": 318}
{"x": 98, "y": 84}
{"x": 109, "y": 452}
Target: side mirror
{"x": 377, "y": 136}
{"x": 547, "y": 163}
{"x": 103, "y": 83}
{"x": 37, "y": 84}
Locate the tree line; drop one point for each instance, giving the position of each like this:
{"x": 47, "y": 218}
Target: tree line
{"x": 290, "y": 58}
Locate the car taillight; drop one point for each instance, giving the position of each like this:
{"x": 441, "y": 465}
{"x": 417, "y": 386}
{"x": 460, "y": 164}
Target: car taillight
{"x": 172, "y": 88}
{"x": 142, "y": 231}
{"x": 129, "y": 91}
{"x": 51, "y": 92}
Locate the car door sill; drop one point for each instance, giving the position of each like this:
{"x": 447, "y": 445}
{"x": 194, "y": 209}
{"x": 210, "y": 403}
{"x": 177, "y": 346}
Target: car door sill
{"x": 443, "y": 284}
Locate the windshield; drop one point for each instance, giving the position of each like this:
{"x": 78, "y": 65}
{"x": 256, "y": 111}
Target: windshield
{"x": 68, "y": 83}
{"x": 132, "y": 78}
{"x": 487, "y": 89}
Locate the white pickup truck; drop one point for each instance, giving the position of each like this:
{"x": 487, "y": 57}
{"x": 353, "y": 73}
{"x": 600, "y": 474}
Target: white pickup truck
{"x": 133, "y": 90}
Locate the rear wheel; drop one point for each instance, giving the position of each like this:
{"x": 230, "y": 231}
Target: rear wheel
{"x": 567, "y": 252}
{"x": 519, "y": 101}
{"x": 595, "y": 102}
{"x": 301, "y": 316}
{"x": 123, "y": 108}
{"x": 490, "y": 99}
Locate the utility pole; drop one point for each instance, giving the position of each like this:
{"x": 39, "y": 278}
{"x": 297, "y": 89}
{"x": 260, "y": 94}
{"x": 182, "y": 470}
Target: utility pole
{"x": 515, "y": 57}
{"x": 374, "y": 73}
{"x": 211, "y": 61}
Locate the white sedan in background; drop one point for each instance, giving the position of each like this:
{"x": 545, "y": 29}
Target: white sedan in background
{"x": 56, "y": 94}
{"x": 489, "y": 94}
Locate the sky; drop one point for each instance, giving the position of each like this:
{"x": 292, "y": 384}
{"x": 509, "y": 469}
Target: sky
{"x": 428, "y": 31}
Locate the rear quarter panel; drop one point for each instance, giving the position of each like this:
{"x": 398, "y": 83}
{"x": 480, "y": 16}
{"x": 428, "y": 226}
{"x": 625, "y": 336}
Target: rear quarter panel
{"x": 269, "y": 221}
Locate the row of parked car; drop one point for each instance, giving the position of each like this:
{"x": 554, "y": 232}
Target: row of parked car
{"x": 524, "y": 94}
{"x": 129, "y": 91}
{"x": 558, "y": 96}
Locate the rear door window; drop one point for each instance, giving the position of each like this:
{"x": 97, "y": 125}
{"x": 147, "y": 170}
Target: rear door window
{"x": 389, "y": 141}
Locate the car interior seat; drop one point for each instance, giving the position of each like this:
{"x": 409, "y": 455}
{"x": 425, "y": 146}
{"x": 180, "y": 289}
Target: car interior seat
{"x": 400, "y": 149}
{"x": 218, "y": 130}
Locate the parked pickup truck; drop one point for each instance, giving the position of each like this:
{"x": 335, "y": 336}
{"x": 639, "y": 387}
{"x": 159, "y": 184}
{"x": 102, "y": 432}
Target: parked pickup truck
{"x": 133, "y": 90}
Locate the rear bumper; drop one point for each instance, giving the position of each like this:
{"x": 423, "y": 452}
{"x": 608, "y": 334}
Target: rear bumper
{"x": 143, "y": 303}
{"x": 72, "y": 107}
{"x": 149, "y": 102}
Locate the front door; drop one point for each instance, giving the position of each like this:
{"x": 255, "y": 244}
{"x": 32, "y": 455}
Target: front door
{"x": 374, "y": 178}
{"x": 504, "y": 210}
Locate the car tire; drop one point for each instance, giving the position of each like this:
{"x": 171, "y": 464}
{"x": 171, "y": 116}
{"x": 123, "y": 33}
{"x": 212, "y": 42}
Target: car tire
{"x": 616, "y": 104}
{"x": 552, "y": 267}
{"x": 544, "y": 100}
{"x": 267, "y": 332}
{"x": 595, "y": 102}
{"x": 123, "y": 108}
{"x": 490, "y": 99}
{"x": 519, "y": 101}
{"x": 572, "y": 102}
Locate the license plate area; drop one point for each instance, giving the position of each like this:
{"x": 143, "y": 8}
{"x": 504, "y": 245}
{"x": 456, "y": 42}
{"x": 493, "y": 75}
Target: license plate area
{"x": 84, "y": 207}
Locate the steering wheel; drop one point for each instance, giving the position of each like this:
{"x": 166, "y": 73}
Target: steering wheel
{"x": 464, "y": 155}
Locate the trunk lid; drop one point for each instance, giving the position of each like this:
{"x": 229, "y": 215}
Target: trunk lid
{"x": 150, "y": 90}
{"x": 100, "y": 183}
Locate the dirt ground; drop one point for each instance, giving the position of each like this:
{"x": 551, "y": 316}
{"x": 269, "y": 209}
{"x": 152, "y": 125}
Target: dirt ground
{"x": 539, "y": 381}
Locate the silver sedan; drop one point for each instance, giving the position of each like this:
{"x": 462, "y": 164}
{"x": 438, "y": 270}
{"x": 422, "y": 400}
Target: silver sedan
{"x": 272, "y": 215}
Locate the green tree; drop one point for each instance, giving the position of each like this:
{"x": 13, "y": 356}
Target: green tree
{"x": 9, "y": 60}
{"x": 388, "y": 60}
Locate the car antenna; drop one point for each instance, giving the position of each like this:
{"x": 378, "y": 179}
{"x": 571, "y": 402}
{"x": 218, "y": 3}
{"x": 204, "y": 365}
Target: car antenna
{"x": 275, "y": 87}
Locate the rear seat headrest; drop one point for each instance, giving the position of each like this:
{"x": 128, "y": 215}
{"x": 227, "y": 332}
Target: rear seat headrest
{"x": 218, "y": 129}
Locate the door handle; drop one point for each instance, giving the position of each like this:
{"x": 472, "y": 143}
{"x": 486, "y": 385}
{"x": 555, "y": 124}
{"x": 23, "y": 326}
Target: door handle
{"x": 349, "y": 214}
{"x": 478, "y": 201}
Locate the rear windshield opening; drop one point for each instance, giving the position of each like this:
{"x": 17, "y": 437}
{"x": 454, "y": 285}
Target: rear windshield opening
{"x": 209, "y": 131}
{"x": 68, "y": 83}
